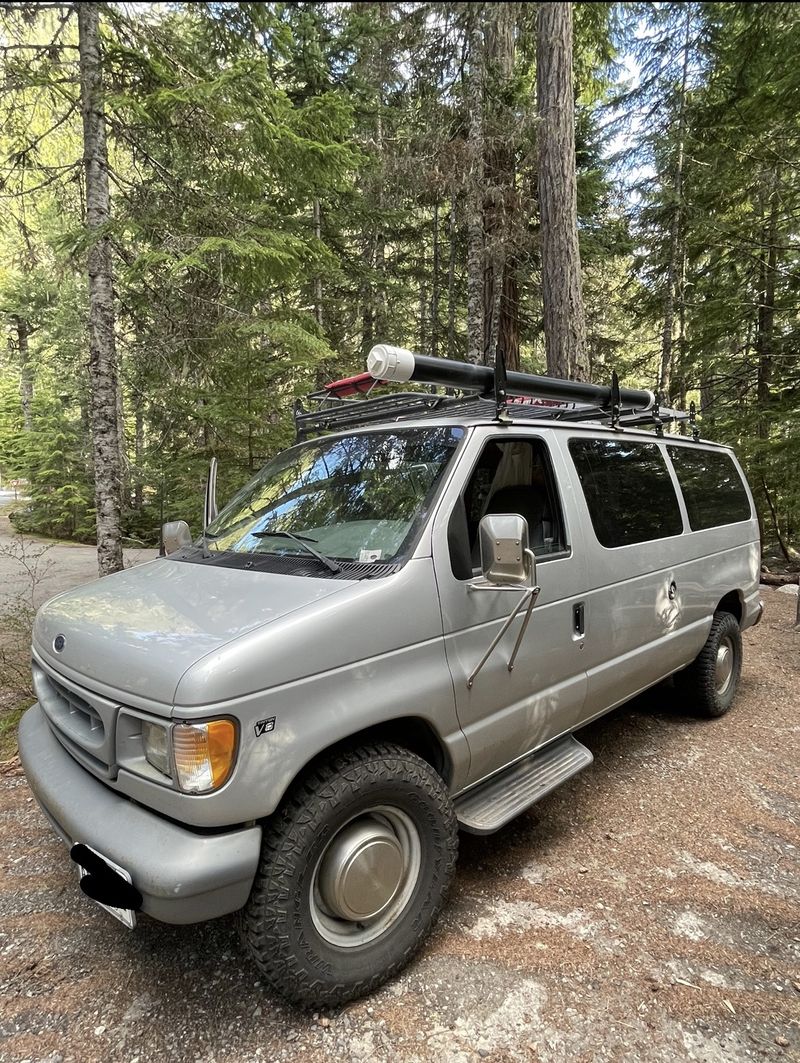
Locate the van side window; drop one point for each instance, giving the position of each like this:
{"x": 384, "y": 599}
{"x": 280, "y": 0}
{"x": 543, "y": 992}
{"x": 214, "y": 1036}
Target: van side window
{"x": 628, "y": 490}
{"x": 510, "y": 476}
{"x": 711, "y": 485}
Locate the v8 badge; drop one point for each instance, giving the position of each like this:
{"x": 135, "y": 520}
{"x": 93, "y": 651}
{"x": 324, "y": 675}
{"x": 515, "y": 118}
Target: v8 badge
{"x": 262, "y": 727}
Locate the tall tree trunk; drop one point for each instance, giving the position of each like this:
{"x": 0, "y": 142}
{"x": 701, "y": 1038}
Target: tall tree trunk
{"x": 423, "y": 307}
{"x": 492, "y": 295}
{"x": 475, "y": 191}
{"x": 23, "y": 330}
{"x": 434, "y": 331}
{"x": 562, "y": 292}
{"x": 373, "y": 286}
{"x": 381, "y": 318}
{"x": 508, "y": 338}
{"x": 381, "y": 77}
{"x": 102, "y": 343}
{"x": 676, "y": 225}
{"x": 452, "y": 233}
{"x": 768, "y": 262}
{"x": 782, "y": 544}
{"x": 138, "y": 455}
{"x": 500, "y": 197}
{"x": 367, "y": 301}
{"x": 680, "y": 389}
{"x": 124, "y": 465}
{"x": 764, "y": 340}
{"x": 318, "y": 278}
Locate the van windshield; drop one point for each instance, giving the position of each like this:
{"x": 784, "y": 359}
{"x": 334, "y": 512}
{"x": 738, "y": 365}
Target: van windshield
{"x": 358, "y": 498}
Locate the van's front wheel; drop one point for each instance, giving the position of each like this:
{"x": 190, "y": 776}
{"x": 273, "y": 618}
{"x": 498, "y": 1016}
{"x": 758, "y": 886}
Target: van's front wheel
{"x": 353, "y": 873}
{"x": 710, "y": 681}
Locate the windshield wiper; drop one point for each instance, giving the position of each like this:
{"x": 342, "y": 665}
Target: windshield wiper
{"x": 304, "y": 542}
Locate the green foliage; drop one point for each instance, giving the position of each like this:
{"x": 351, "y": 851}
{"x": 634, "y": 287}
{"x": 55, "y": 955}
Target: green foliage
{"x": 738, "y": 330}
{"x": 289, "y": 186}
{"x": 53, "y": 460}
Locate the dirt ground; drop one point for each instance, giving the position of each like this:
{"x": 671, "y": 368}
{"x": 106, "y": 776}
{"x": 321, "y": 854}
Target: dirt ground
{"x": 648, "y": 911}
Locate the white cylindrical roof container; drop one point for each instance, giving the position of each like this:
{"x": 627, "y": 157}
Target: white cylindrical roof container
{"x": 385, "y": 362}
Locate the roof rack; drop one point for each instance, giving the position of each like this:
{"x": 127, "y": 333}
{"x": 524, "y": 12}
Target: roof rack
{"x": 333, "y": 412}
{"x": 488, "y": 393}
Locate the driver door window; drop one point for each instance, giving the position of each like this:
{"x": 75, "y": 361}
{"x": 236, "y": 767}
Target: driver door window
{"x": 510, "y": 476}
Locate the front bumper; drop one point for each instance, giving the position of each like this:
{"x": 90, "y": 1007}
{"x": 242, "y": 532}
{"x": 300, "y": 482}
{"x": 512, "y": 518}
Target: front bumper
{"x": 183, "y": 876}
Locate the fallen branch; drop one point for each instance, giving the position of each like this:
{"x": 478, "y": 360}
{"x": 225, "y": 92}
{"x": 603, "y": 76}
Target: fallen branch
{"x": 11, "y": 767}
{"x": 772, "y": 579}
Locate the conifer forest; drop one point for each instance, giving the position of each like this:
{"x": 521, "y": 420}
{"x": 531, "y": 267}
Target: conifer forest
{"x": 208, "y": 210}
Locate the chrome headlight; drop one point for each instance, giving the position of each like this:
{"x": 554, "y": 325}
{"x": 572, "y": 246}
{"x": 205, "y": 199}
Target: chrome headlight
{"x": 199, "y": 757}
{"x": 155, "y": 740}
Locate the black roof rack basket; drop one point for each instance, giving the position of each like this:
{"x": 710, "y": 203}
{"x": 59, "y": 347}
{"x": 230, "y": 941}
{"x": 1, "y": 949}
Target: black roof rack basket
{"x": 487, "y": 392}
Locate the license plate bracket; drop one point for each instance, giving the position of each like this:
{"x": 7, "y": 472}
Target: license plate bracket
{"x": 81, "y": 851}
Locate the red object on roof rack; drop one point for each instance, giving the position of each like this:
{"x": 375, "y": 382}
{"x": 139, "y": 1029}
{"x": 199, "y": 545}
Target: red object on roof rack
{"x": 359, "y": 384}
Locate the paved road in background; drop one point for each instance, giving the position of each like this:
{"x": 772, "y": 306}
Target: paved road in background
{"x": 57, "y": 566}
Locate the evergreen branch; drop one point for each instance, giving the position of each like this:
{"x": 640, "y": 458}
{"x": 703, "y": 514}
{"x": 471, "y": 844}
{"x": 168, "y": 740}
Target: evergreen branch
{"x": 62, "y": 172}
{"x": 36, "y": 47}
{"x": 20, "y": 155}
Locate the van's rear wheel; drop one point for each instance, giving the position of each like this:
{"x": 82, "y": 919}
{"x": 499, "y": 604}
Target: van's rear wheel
{"x": 710, "y": 681}
{"x": 353, "y": 873}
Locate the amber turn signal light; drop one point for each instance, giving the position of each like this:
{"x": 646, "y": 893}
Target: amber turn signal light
{"x": 204, "y": 754}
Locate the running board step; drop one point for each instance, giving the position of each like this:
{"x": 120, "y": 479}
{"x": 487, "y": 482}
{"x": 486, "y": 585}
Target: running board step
{"x": 493, "y": 803}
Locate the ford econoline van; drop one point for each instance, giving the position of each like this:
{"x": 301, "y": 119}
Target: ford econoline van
{"x": 391, "y": 633}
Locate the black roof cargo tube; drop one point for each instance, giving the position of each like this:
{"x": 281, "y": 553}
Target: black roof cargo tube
{"x": 396, "y": 364}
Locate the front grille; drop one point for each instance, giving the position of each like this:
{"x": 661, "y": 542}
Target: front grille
{"x": 82, "y": 721}
{"x": 86, "y": 719}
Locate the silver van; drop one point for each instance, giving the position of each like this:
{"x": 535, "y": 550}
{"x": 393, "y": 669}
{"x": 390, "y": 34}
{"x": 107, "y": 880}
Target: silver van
{"x": 391, "y": 633}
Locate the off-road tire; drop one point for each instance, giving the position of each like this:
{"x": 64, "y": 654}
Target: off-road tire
{"x": 277, "y": 925}
{"x": 699, "y": 684}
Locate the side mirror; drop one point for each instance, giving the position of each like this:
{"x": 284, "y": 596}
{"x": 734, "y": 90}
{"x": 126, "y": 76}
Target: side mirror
{"x": 506, "y": 558}
{"x": 175, "y": 534}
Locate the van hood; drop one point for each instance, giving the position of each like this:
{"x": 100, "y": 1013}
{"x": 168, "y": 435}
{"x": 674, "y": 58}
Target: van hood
{"x": 132, "y": 635}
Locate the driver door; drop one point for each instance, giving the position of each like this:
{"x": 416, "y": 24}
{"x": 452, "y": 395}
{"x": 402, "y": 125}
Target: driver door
{"x": 506, "y": 714}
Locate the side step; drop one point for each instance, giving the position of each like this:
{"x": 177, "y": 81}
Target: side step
{"x": 495, "y": 802}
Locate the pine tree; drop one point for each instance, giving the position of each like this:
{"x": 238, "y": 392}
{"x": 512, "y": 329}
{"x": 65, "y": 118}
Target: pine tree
{"x": 106, "y": 446}
{"x": 562, "y": 292}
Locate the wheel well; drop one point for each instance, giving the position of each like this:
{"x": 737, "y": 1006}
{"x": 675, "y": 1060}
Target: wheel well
{"x": 411, "y": 732}
{"x": 731, "y": 603}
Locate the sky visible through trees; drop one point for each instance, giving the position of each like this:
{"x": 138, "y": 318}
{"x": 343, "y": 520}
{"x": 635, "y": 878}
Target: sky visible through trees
{"x": 289, "y": 184}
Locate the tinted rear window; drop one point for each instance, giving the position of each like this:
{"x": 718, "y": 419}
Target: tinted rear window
{"x": 712, "y": 487}
{"x": 628, "y": 490}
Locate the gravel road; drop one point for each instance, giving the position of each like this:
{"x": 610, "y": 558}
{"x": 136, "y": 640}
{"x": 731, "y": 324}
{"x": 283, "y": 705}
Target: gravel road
{"x": 648, "y": 911}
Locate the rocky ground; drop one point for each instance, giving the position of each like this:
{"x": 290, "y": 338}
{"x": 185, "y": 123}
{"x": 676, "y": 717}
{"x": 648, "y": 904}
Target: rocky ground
{"x": 648, "y": 911}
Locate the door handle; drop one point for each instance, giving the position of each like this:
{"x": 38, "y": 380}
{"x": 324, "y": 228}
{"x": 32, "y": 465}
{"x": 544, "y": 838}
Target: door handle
{"x": 578, "y": 619}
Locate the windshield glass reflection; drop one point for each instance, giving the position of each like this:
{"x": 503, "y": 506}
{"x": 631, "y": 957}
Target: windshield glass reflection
{"x": 350, "y": 498}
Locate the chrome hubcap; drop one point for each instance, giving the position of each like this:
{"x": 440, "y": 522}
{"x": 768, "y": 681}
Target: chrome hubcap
{"x": 362, "y": 872}
{"x": 724, "y": 667}
{"x": 365, "y": 877}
